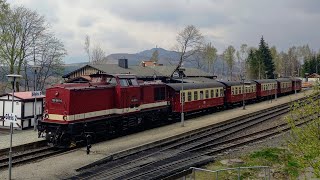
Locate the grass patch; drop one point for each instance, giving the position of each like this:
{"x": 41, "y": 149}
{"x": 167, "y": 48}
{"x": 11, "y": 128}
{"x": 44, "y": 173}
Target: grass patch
{"x": 282, "y": 163}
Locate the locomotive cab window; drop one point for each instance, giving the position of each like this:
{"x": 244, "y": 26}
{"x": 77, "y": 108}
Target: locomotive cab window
{"x": 132, "y": 82}
{"x": 123, "y": 82}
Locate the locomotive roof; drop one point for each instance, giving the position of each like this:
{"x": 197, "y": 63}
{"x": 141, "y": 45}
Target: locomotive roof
{"x": 265, "y": 81}
{"x": 236, "y": 83}
{"x": 187, "y": 86}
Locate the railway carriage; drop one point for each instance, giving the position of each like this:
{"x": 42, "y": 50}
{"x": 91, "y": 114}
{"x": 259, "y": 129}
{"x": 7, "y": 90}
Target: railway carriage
{"x": 296, "y": 84}
{"x": 284, "y": 86}
{"x": 196, "y": 96}
{"x": 235, "y": 92}
{"x": 114, "y": 104}
{"x": 266, "y": 88}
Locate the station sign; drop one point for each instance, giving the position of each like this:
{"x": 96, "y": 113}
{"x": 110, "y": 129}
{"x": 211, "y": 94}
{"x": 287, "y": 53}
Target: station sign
{"x": 10, "y": 117}
{"x": 36, "y": 93}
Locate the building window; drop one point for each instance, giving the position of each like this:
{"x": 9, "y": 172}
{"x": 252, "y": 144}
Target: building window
{"x": 189, "y": 96}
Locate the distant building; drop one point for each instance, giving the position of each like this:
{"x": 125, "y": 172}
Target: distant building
{"x": 159, "y": 72}
{"x": 149, "y": 63}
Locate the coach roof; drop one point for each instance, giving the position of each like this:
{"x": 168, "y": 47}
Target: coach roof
{"x": 187, "y": 86}
{"x": 236, "y": 83}
{"x": 260, "y": 81}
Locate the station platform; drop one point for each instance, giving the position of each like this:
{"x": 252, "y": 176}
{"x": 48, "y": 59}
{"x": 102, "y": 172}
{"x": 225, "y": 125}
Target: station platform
{"x": 19, "y": 137}
{"x": 66, "y": 164}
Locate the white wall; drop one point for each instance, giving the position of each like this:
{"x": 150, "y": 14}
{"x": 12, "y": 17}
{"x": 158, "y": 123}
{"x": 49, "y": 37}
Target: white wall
{"x": 28, "y": 109}
{"x": 1, "y": 108}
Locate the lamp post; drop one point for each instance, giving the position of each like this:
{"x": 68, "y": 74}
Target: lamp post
{"x": 295, "y": 83}
{"x": 181, "y": 69}
{"x": 35, "y": 68}
{"x": 243, "y": 91}
{"x": 12, "y": 78}
{"x": 276, "y": 91}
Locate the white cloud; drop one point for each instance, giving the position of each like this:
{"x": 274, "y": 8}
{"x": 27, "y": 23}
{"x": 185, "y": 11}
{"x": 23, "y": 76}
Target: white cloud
{"x": 132, "y": 26}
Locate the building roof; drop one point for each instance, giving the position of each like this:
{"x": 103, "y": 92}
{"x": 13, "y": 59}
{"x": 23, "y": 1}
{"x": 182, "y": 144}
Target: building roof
{"x": 25, "y": 95}
{"x": 189, "y": 72}
{"x": 187, "y": 86}
{"x": 314, "y": 75}
{"x": 139, "y": 71}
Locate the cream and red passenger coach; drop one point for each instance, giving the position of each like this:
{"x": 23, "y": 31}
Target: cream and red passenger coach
{"x": 196, "y": 96}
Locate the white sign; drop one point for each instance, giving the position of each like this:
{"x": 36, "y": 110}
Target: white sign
{"x": 10, "y": 117}
{"x": 36, "y": 93}
{"x": 175, "y": 74}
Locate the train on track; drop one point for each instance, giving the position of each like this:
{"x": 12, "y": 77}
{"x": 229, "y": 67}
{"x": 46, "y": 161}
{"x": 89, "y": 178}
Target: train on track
{"x": 109, "y": 105}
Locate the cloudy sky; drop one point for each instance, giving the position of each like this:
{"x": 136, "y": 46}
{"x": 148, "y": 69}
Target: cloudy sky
{"x": 127, "y": 26}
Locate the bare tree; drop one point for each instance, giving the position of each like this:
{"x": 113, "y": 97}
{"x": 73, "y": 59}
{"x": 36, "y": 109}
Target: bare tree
{"x": 20, "y": 27}
{"x": 98, "y": 55}
{"x": 87, "y": 47}
{"x": 50, "y": 61}
{"x": 242, "y": 56}
{"x": 189, "y": 41}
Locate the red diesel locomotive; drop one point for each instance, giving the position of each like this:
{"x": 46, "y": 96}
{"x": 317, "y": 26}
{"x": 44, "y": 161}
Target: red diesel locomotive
{"x": 112, "y": 104}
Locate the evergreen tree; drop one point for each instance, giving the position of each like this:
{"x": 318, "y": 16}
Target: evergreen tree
{"x": 253, "y": 64}
{"x": 265, "y": 57}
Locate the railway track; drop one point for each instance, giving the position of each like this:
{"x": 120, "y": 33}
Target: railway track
{"x": 179, "y": 154}
{"x": 29, "y": 156}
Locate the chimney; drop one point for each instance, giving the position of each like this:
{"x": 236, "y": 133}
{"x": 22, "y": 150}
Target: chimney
{"x": 123, "y": 63}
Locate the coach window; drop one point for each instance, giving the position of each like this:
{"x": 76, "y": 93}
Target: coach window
{"x": 195, "y": 95}
{"x": 221, "y": 92}
{"x": 232, "y": 92}
{"x": 123, "y": 82}
{"x": 201, "y": 95}
{"x": 212, "y": 93}
{"x": 217, "y": 92}
{"x": 207, "y": 94}
{"x": 236, "y": 91}
{"x": 189, "y": 96}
